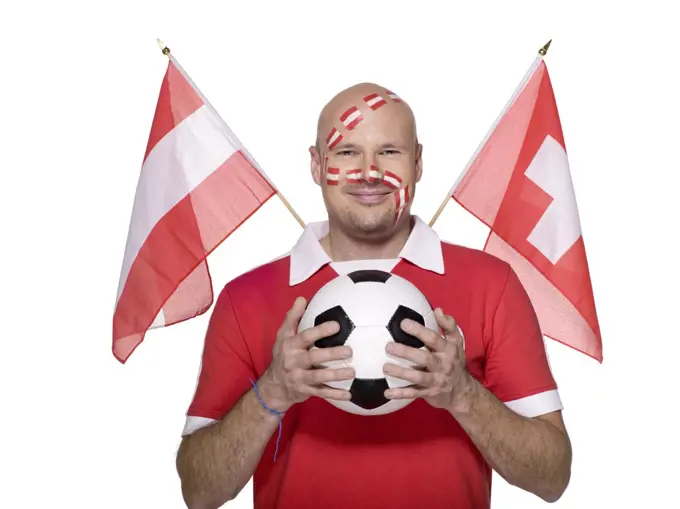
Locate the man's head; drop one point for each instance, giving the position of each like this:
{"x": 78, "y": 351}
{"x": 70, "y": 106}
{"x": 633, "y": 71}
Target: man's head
{"x": 367, "y": 160}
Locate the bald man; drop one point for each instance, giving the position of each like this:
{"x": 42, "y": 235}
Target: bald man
{"x": 485, "y": 401}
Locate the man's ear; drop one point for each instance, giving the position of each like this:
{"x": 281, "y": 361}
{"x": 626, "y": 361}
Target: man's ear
{"x": 419, "y": 161}
{"x": 315, "y": 164}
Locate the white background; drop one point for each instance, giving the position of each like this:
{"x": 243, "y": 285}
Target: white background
{"x": 79, "y": 84}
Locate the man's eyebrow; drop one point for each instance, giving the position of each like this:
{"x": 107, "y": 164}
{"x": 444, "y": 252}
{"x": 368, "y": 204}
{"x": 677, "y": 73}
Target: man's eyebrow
{"x": 345, "y": 146}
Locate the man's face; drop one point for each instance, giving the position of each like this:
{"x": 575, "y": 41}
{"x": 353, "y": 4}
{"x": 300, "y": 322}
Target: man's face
{"x": 367, "y": 162}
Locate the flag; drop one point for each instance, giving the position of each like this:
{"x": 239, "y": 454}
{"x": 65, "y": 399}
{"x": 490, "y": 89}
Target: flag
{"x": 197, "y": 185}
{"x": 519, "y": 184}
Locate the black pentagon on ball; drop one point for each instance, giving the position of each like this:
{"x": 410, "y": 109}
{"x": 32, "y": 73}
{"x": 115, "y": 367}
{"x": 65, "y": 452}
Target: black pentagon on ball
{"x": 334, "y": 314}
{"x": 394, "y": 327}
{"x": 369, "y": 276}
{"x": 368, "y": 393}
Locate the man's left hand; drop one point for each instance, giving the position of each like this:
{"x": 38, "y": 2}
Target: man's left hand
{"x": 440, "y": 376}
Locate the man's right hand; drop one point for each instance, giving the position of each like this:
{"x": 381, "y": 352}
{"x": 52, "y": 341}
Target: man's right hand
{"x": 291, "y": 377}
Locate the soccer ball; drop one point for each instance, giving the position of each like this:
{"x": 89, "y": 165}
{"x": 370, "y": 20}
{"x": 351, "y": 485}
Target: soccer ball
{"x": 369, "y": 305}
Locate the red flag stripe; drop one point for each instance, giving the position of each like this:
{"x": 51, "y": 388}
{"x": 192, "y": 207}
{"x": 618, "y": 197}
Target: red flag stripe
{"x": 168, "y": 113}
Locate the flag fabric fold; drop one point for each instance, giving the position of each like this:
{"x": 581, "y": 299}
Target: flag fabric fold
{"x": 197, "y": 185}
{"x": 519, "y": 184}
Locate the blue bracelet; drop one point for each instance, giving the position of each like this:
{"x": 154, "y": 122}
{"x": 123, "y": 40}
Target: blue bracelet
{"x": 271, "y": 411}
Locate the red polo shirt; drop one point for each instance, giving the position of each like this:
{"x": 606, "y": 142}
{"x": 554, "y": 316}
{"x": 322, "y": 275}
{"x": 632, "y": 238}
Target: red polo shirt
{"x": 417, "y": 457}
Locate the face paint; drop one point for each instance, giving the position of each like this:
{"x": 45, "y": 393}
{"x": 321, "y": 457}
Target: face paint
{"x": 351, "y": 118}
{"x": 354, "y": 176}
{"x": 392, "y": 180}
{"x": 374, "y": 101}
{"x": 332, "y": 176}
{"x": 393, "y": 96}
{"x": 401, "y": 198}
{"x": 333, "y": 138}
{"x": 374, "y": 174}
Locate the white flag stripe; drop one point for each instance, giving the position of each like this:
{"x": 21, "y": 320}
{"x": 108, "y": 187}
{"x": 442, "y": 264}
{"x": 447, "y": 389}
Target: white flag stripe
{"x": 204, "y": 149}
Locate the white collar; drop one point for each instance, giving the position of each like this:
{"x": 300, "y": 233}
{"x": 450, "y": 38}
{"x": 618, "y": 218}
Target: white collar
{"x": 423, "y": 248}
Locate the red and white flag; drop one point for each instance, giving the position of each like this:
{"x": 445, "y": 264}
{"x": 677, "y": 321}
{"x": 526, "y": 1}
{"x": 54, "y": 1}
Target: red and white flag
{"x": 197, "y": 185}
{"x": 519, "y": 184}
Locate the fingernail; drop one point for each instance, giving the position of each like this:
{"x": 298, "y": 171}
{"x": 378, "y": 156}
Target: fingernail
{"x": 406, "y": 324}
{"x": 347, "y": 351}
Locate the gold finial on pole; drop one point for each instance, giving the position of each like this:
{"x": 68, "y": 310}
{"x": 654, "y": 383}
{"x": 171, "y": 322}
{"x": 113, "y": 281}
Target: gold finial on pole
{"x": 544, "y": 49}
{"x": 164, "y": 48}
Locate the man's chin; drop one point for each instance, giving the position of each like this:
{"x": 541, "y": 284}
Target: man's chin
{"x": 371, "y": 221}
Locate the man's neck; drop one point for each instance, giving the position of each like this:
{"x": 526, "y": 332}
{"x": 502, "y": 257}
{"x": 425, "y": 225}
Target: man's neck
{"x": 342, "y": 247}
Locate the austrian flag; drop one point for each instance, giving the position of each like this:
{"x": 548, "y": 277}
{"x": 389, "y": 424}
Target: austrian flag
{"x": 519, "y": 184}
{"x": 197, "y": 185}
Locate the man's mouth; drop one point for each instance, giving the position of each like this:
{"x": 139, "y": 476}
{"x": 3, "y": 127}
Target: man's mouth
{"x": 370, "y": 196}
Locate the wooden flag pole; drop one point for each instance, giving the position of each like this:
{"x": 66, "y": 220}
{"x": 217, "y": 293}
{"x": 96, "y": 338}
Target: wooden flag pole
{"x": 542, "y": 52}
{"x": 166, "y": 52}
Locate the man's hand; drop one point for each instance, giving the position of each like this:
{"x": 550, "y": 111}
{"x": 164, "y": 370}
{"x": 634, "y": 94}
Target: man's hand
{"x": 440, "y": 376}
{"x": 291, "y": 377}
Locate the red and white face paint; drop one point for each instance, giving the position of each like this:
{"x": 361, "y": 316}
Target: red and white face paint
{"x": 401, "y": 197}
{"x": 393, "y": 96}
{"x": 351, "y": 118}
{"x": 332, "y": 176}
{"x": 374, "y": 101}
{"x": 355, "y": 176}
{"x": 334, "y": 137}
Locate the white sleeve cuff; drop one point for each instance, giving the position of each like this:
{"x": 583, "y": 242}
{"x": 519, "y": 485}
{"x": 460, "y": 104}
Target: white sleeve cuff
{"x": 538, "y": 404}
{"x": 194, "y": 423}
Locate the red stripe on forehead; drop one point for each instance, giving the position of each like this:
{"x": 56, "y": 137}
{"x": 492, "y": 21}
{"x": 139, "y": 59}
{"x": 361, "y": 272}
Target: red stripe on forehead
{"x": 351, "y": 118}
{"x": 374, "y": 101}
{"x": 333, "y": 138}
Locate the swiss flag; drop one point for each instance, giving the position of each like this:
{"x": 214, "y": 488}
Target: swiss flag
{"x": 197, "y": 185}
{"x": 519, "y": 184}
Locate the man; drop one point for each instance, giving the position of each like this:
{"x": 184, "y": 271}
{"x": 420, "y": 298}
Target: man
{"x": 485, "y": 400}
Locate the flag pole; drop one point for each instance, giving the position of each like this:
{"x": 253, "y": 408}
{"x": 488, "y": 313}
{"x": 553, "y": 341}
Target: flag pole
{"x": 166, "y": 51}
{"x": 541, "y": 52}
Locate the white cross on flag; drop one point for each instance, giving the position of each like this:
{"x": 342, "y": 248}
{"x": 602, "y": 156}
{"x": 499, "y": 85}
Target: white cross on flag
{"x": 197, "y": 185}
{"x": 519, "y": 184}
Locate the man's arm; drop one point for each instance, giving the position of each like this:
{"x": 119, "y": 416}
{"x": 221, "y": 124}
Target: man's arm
{"x": 215, "y": 462}
{"x": 531, "y": 453}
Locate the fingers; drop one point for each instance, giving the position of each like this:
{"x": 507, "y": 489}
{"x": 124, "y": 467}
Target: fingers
{"x": 307, "y": 337}
{"x": 417, "y": 356}
{"x": 320, "y": 376}
{"x": 327, "y": 393}
{"x": 406, "y": 393}
{"x": 433, "y": 340}
{"x": 447, "y": 323}
{"x": 292, "y": 319}
{"x": 322, "y": 355}
{"x": 415, "y": 376}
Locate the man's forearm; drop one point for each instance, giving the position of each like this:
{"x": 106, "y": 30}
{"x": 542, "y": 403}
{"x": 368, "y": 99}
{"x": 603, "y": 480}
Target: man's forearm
{"x": 532, "y": 454}
{"x": 216, "y": 462}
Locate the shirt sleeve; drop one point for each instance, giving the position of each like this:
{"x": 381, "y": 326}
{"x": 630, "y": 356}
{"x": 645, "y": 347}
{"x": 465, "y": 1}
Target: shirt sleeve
{"x": 517, "y": 367}
{"x": 226, "y": 368}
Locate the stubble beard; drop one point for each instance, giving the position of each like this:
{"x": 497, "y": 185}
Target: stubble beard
{"x": 373, "y": 222}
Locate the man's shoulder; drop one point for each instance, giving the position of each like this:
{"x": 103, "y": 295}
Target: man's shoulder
{"x": 463, "y": 259}
{"x": 261, "y": 280}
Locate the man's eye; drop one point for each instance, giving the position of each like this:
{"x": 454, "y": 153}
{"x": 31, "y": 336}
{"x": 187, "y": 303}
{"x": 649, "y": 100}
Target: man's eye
{"x": 345, "y": 152}
{"x": 390, "y": 152}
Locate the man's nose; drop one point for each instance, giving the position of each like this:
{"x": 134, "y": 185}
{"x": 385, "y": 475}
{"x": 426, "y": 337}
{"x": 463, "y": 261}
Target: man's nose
{"x": 371, "y": 173}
